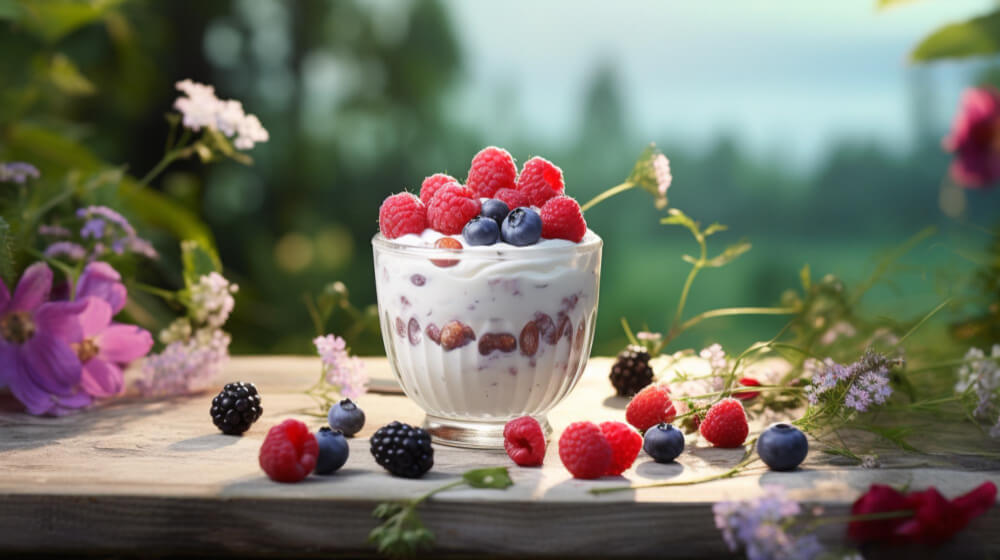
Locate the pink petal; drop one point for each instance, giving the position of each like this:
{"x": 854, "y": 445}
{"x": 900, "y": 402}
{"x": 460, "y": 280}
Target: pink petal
{"x": 101, "y": 379}
{"x": 33, "y": 288}
{"x": 61, "y": 319}
{"x": 95, "y": 317}
{"x": 50, "y": 363}
{"x": 100, "y": 280}
{"x": 123, "y": 343}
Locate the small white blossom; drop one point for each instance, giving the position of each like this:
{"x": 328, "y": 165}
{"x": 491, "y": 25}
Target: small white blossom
{"x": 983, "y": 375}
{"x": 186, "y": 366}
{"x": 200, "y": 108}
{"x": 716, "y": 357}
{"x": 212, "y": 299}
{"x": 249, "y": 131}
{"x": 661, "y": 169}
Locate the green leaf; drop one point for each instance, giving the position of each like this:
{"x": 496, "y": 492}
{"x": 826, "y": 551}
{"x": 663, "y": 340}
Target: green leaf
{"x": 689, "y": 259}
{"x": 679, "y": 218}
{"x": 714, "y": 228}
{"x": 883, "y": 4}
{"x": 494, "y": 477}
{"x": 729, "y": 254}
{"x": 975, "y": 37}
{"x": 67, "y": 77}
{"x": 198, "y": 260}
{"x": 805, "y": 275}
{"x": 54, "y": 19}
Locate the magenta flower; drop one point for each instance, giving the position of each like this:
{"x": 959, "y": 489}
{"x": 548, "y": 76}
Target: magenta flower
{"x": 975, "y": 139}
{"x": 105, "y": 347}
{"x": 36, "y": 360}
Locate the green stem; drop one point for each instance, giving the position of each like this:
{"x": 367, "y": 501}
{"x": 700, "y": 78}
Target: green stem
{"x": 160, "y": 292}
{"x": 448, "y": 486}
{"x": 926, "y": 317}
{"x": 168, "y": 158}
{"x": 606, "y": 195}
{"x": 728, "y": 311}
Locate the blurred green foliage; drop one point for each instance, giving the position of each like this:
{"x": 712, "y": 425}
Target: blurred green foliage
{"x": 355, "y": 96}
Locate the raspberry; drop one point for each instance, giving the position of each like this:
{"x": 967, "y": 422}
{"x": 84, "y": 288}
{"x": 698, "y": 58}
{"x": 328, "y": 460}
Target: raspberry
{"x": 401, "y": 214}
{"x": 512, "y": 198}
{"x": 289, "y": 452}
{"x": 493, "y": 168}
{"x": 432, "y": 184}
{"x": 562, "y": 219}
{"x": 584, "y": 450}
{"x": 446, "y": 243}
{"x": 745, "y": 395}
{"x": 649, "y": 407}
{"x": 725, "y": 424}
{"x": 524, "y": 441}
{"x": 625, "y": 445}
{"x": 540, "y": 180}
{"x": 451, "y": 208}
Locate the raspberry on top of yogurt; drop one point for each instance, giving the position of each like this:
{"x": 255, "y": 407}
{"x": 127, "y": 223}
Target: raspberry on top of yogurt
{"x": 527, "y": 207}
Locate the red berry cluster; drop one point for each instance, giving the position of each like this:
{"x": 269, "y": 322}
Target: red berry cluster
{"x": 446, "y": 206}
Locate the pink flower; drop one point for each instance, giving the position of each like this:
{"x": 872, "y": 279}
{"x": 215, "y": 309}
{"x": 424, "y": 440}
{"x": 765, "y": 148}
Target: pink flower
{"x": 104, "y": 347}
{"x": 36, "y": 360}
{"x": 975, "y": 139}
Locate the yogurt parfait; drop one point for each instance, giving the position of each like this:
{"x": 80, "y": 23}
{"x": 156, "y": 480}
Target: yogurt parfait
{"x": 487, "y": 296}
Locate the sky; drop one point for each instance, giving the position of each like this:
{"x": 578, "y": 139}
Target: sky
{"x": 782, "y": 76}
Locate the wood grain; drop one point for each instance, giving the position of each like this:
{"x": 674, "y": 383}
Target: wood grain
{"x": 156, "y": 476}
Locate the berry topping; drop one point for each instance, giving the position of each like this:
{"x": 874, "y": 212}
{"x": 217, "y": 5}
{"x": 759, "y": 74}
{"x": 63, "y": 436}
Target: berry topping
{"x": 540, "y": 180}
{"x": 504, "y": 342}
{"x": 236, "y": 408}
{"x": 432, "y": 184}
{"x": 433, "y": 332}
{"x": 481, "y": 230}
{"x": 523, "y": 226}
{"x": 512, "y": 198}
{"x": 663, "y": 442}
{"x": 413, "y": 331}
{"x": 456, "y": 334}
{"x": 625, "y": 445}
{"x": 584, "y": 450}
{"x": 782, "y": 447}
{"x": 631, "y": 371}
{"x": 400, "y": 326}
{"x": 524, "y": 441}
{"x": 495, "y": 209}
{"x": 289, "y": 452}
{"x": 546, "y": 327}
{"x": 403, "y": 450}
{"x": 446, "y": 243}
{"x": 562, "y": 219}
{"x": 725, "y": 424}
{"x": 492, "y": 168}
{"x": 346, "y": 417}
{"x": 418, "y": 279}
{"x": 747, "y": 395}
{"x": 333, "y": 450}
{"x": 401, "y": 214}
{"x": 529, "y": 339}
{"x": 451, "y": 208}
{"x": 649, "y": 407}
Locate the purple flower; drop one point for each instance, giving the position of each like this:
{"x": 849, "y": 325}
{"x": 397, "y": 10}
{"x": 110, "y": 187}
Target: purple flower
{"x": 186, "y": 366}
{"x": 759, "y": 527}
{"x": 105, "y": 347}
{"x": 93, "y": 228}
{"x": 53, "y": 231}
{"x": 68, "y": 249}
{"x": 975, "y": 139}
{"x": 861, "y": 384}
{"x": 36, "y": 360}
{"x": 18, "y": 172}
{"x": 341, "y": 370}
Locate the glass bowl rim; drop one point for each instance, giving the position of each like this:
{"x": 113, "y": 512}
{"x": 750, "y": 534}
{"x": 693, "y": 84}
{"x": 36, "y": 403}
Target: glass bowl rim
{"x": 592, "y": 242}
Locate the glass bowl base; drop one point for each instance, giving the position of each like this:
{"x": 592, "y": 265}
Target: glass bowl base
{"x": 471, "y": 434}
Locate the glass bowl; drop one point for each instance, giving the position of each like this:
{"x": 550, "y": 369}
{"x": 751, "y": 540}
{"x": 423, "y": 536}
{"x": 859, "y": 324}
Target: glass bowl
{"x": 481, "y": 335}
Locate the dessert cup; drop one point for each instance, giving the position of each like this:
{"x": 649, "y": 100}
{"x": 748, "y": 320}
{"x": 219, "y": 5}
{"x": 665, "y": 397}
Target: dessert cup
{"x": 481, "y": 335}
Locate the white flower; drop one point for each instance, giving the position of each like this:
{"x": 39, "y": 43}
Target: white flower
{"x": 249, "y": 131}
{"x": 716, "y": 357}
{"x": 661, "y": 169}
{"x": 202, "y": 109}
{"x": 212, "y": 299}
{"x": 983, "y": 375}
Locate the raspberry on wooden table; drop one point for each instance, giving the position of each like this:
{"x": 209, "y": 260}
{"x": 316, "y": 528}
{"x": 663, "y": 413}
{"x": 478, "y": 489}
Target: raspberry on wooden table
{"x": 524, "y": 441}
{"x": 401, "y": 214}
{"x": 540, "y": 180}
{"x": 289, "y": 452}
{"x": 625, "y": 445}
{"x": 562, "y": 219}
{"x": 492, "y": 168}
{"x": 725, "y": 424}
{"x": 584, "y": 450}
{"x": 451, "y": 208}
{"x": 432, "y": 184}
{"x": 651, "y": 406}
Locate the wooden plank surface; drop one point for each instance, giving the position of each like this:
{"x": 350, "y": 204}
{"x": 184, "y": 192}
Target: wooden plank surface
{"x": 155, "y": 475}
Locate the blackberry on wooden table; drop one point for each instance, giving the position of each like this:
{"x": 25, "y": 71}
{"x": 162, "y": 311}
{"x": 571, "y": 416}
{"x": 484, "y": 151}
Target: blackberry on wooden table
{"x": 631, "y": 371}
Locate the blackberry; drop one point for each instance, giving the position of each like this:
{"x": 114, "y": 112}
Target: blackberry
{"x": 236, "y": 408}
{"x": 403, "y": 450}
{"x": 631, "y": 371}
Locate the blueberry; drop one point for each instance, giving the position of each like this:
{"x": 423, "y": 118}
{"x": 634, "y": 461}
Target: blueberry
{"x": 333, "y": 450}
{"x": 663, "y": 442}
{"x": 782, "y": 447}
{"x": 481, "y": 230}
{"x": 346, "y": 417}
{"x": 523, "y": 226}
{"x": 495, "y": 209}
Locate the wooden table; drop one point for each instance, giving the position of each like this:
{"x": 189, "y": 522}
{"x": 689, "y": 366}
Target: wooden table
{"x": 145, "y": 477}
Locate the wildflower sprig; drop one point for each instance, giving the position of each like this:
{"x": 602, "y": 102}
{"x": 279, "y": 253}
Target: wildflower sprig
{"x": 402, "y": 534}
